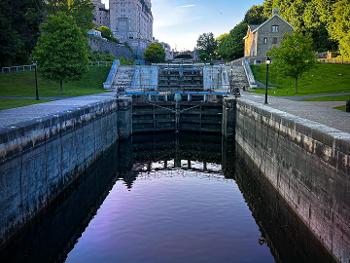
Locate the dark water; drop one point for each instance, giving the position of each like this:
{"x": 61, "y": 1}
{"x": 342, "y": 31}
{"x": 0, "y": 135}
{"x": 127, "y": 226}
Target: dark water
{"x": 167, "y": 198}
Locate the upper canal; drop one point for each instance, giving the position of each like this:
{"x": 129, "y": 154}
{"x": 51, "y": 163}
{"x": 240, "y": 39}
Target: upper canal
{"x": 167, "y": 198}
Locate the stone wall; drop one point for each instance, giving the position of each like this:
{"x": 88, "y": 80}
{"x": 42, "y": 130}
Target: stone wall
{"x": 117, "y": 50}
{"x": 40, "y": 159}
{"x": 266, "y": 32}
{"x": 309, "y": 166}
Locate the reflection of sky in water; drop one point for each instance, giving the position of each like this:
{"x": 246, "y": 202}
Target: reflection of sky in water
{"x": 173, "y": 215}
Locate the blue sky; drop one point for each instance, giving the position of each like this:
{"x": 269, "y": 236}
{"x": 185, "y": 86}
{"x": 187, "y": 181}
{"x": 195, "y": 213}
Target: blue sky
{"x": 180, "y": 22}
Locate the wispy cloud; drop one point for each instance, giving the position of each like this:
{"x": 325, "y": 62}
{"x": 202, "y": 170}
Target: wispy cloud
{"x": 187, "y": 6}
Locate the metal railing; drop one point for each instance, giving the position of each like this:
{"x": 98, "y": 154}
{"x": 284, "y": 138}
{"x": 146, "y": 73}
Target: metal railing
{"x": 112, "y": 73}
{"x": 249, "y": 74}
{"x": 24, "y": 68}
{"x": 21, "y": 68}
{"x": 338, "y": 60}
{"x": 100, "y": 63}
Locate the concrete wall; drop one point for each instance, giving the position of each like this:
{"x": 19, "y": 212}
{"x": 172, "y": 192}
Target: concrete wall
{"x": 145, "y": 78}
{"x": 309, "y": 166}
{"x": 117, "y": 50}
{"x": 39, "y": 160}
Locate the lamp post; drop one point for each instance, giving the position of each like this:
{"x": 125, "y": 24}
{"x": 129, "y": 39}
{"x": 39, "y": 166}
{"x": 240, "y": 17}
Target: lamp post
{"x": 268, "y": 62}
{"x": 35, "y": 64}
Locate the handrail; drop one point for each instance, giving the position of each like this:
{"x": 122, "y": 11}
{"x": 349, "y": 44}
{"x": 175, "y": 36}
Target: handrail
{"x": 112, "y": 73}
{"x": 25, "y": 68}
{"x": 20, "y": 68}
{"x": 249, "y": 73}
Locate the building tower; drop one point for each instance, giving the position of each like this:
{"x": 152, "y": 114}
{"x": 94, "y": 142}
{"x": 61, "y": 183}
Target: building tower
{"x": 131, "y": 22}
{"x": 101, "y": 14}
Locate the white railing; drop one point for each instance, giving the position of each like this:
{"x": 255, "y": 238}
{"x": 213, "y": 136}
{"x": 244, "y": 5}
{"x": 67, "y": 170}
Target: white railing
{"x": 20, "y": 68}
{"x": 112, "y": 73}
{"x": 100, "y": 63}
{"x": 249, "y": 74}
{"x": 24, "y": 68}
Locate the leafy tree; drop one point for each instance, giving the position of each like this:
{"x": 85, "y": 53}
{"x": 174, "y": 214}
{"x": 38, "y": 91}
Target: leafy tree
{"x": 19, "y": 29}
{"x": 232, "y": 46}
{"x": 155, "y": 53}
{"x": 207, "y": 45}
{"x": 255, "y": 15}
{"x": 340, "y": 26}
{"x": 294, "y": 57}
{"x": 106, "y": 32}
{"x": 80, "y": 10}
{"x": 310, "y": 16}
{"x": 62, "y": 50}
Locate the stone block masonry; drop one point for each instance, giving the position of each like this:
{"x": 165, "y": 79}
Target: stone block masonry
{"x": 309, "y": 166}
{"x": 117, "y": 50}
{"x": 45, "y": 147}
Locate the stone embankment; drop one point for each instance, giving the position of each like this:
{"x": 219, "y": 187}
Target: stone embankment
{"x": 45, "y": 147}
{"x": 308, "y": 164}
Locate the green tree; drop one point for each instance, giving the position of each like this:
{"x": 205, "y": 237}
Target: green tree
{"x": 310, "y": 16}
{"x": 80, "y": 10}
{"x": 61, "y": 51}
{"x": 255, "y": 15}
{"x": 294, "y": 57}
{"x": 106, "y": 32}
{"x": 155, "y": 53}
{"x": 340, "y": 26}
{"x": 19, "y": 29}
{"x": 232, "y": 46}
{"x": 207, "y": 46}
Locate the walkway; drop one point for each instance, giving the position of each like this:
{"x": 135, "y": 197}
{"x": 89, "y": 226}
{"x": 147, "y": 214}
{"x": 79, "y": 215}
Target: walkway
{"x": 33, "y": 113}
{"x": 32, "y": 98}
{"x": 308, "y": 110}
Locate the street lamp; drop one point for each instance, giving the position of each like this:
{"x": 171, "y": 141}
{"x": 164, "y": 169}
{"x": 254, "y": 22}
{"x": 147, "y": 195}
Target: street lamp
{"x": 35, "y": 64}
{"x": 268, "y": 62}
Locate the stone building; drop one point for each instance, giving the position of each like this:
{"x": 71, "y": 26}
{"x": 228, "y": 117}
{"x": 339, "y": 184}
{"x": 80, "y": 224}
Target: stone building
{"x": 101, "y": 14}
{"x": 132, "y": 22}
{"x": 261, "y": 38}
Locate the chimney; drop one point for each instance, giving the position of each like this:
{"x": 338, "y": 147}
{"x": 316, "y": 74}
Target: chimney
{"x": 275, "y": 11}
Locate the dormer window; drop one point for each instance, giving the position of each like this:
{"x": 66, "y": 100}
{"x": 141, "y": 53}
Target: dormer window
{"x": 275, "y": 29}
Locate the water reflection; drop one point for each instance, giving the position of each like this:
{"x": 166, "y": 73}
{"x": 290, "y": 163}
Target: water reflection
{"x": 168, "y": 198}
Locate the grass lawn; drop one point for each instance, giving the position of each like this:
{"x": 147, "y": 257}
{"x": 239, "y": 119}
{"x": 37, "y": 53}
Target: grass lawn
{"x": 342, "y": 108}
{"x": 323, "y": 78}
{"x": 14, "y": 103}
{"x": 331, "y": 98}
{"x": 23, "y": 84}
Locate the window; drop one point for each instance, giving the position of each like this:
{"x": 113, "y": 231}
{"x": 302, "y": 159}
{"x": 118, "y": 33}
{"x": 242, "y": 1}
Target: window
{"x": 274, "y": 41}
{"x": 275, "y": 29}
{"x": 265, "y": 40}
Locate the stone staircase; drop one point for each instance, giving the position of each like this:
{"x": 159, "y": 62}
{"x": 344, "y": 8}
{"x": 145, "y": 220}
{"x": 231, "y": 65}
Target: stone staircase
{"x": 239, "y": 79}
{"x": 123, "y": 78}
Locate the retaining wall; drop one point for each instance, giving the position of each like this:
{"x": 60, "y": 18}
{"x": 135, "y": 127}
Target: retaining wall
{"x": 309, "y": 166}
{"x": 40, "y": 159}
{"x": 117, "y": 50}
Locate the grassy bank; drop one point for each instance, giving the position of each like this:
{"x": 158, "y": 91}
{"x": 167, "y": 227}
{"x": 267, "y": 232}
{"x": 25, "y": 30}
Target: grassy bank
{"x": 331, "y": 98}
{"x": 23, "y": 84}
{"x": 323, "y": 78}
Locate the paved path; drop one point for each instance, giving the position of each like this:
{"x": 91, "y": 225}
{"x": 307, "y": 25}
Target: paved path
{"x": 308, "y": 110}
{"x": 32, "y": 98}
{"x": 28, "y": 114}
